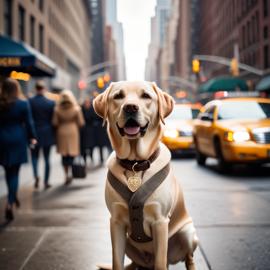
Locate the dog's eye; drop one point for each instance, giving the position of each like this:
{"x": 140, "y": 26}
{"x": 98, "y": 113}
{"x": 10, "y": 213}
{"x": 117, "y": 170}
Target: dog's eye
{"x": 146, "y": 96}
{"x": 119, "y": 96}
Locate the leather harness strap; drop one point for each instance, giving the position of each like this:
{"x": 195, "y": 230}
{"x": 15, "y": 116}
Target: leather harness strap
{"x": 137, "y": 200}
{"x": 139, "y": 165}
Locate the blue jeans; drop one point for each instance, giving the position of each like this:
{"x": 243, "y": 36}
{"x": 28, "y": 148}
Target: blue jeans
{"x": 35, "y": 155}
{"x": 12, "y": 179}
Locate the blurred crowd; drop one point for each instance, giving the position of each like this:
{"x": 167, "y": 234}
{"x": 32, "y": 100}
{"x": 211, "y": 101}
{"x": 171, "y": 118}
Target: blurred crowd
{"x": 38, "y": 123}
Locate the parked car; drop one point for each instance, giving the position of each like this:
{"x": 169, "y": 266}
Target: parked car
{"x": 233, "y": 130}
{"x": 178, "y": 128}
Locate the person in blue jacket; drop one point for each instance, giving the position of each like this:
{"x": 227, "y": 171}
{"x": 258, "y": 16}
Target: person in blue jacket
{"x": 42, "y": 110}
{"x": 16, "y": 133}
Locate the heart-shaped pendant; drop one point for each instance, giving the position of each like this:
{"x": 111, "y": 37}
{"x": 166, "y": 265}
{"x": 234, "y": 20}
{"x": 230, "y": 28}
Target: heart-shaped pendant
{"x": 134, "y": 182}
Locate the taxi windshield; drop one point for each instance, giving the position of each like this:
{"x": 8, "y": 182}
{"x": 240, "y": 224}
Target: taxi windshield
{"x": 244, "y": 110}
{"x": 183, "y": 113}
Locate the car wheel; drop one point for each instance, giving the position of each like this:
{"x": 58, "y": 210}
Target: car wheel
{"x": 200, "y": 157}
{"x": 223, "y": 165}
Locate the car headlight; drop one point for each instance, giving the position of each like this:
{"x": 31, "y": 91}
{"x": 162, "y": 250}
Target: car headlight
{"x": 171, "y": 133}
{"x": 237, "y": 136}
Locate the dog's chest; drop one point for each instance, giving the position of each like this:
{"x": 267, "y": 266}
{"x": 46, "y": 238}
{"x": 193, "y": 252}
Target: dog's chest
{"x": 139, "y": 209}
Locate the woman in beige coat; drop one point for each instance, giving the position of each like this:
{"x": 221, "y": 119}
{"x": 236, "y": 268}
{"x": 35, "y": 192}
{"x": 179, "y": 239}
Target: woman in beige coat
{"x": 68, "y": 120}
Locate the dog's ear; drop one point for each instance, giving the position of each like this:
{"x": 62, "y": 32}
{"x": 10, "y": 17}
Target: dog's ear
{"x": 165, "y": 102}
{"x": 100, "y": 103}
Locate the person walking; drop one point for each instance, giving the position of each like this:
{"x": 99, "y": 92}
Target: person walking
{"x": 42, "y": 110}
{"x": 68, "y": 119}
{"x": 101, "y": 138}
{"x": 16, "y": 133}
{"x": 88, "y": 131}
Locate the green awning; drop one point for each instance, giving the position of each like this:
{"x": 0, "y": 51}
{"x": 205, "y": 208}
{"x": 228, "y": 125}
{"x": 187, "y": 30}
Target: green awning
{"x": 263, "y": 84}
{"x": 225, "y": 83}
{"x": 19, "y": 56}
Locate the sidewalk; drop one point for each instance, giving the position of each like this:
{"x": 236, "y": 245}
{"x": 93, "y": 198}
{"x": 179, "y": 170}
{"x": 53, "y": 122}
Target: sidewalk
{"x": 61, "y": 228}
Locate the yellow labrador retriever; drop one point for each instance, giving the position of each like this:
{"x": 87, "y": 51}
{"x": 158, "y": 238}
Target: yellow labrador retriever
{"x": 149, "y": 222}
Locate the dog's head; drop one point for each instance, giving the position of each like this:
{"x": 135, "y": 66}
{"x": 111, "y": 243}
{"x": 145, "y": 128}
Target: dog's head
{"x": 134, "y": 112}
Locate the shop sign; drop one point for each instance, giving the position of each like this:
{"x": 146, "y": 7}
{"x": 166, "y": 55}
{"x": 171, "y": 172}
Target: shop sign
{"x": 20, "y": 76}
{"x": 10, "y": 61}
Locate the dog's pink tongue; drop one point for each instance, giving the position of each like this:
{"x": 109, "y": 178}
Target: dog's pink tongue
{"x": 131, "y": 130}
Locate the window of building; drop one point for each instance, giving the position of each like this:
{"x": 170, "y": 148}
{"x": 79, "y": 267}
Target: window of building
{"x": 266, "y": 56}
{"x": 253, "y": 26}
{"x": 41, "y": 5}
{"x": 248, "y": 4}
{"x": 257, "y": 26}
{"x": 7, "y": 17}
{"x": 32, "y": 31}
{"x": 265, "y": 8}
{"x": 41, "y": 38}
{"x": 254, "y": 59}
{"x": 243, "y": 7}
{"x": 94, "y": 4}
{"x": 21, "y": 20}
{"x": 265, "y": 32}
{"x": 244, "y": 37}
{"x": 248, "y": 33}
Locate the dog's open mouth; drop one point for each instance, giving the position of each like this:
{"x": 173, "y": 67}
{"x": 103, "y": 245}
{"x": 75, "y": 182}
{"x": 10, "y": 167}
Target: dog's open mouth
{"x": 132, "y": 128}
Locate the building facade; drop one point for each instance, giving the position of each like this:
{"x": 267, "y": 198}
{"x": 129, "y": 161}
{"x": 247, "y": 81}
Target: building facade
{"x": 119, "y": 69}
{"x": 57, "y": 29}
{"x": 230, "y": 29}
{"x": 170, "y": 51}
{"x": 97, "y": 31}
{"x": 238, "y": 29}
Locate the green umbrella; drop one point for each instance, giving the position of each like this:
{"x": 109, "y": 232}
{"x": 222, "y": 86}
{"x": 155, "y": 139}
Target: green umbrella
{"x": 225, "y": 83}
{"x": 263, "y": 84}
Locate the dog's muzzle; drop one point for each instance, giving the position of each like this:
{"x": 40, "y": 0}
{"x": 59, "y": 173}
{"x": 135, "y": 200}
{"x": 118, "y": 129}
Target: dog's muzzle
{"x": 132, "y": 128}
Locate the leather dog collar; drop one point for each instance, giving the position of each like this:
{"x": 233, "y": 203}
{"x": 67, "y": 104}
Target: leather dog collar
{"x": 139, "y": 165}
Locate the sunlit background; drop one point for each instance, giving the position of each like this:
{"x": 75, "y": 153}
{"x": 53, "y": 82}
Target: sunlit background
{"x": 135, "y": 16}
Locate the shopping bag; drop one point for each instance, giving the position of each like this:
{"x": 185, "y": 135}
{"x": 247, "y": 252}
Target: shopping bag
{"x": 78, "y": 167}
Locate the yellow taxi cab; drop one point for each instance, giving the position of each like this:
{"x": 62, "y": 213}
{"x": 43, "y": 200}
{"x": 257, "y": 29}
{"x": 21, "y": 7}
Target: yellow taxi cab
{"x": 177, "y": 135}
{"x": 233, "y": 130}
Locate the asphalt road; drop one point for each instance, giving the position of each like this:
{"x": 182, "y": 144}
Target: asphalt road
{"x": 68, "y": 227}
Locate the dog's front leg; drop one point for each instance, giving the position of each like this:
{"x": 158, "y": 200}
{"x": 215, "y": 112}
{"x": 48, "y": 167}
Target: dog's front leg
{"x": 118, "y": 236}
{"x": 160, "y": 237}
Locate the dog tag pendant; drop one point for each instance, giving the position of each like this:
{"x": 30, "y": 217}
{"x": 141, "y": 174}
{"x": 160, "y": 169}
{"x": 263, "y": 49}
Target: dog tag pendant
{"x": 134, "y": 182}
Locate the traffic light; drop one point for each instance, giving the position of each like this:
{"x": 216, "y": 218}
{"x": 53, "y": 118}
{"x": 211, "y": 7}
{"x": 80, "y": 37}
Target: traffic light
{"x": 234, "y": 67}
{"x": 195, "y": 66}
{"x": 100, "y": 82}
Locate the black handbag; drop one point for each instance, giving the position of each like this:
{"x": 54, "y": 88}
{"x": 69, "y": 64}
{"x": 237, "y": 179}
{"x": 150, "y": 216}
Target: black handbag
{"x": 78, "y": 167}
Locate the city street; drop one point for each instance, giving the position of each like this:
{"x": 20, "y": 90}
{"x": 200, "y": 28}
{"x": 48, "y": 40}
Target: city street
{"x": 68, "y": 227}
{"x": 86, "y": 75}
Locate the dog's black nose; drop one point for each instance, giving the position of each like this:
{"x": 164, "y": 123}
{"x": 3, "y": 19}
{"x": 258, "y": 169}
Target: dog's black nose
{"x": 131, "y": 108}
